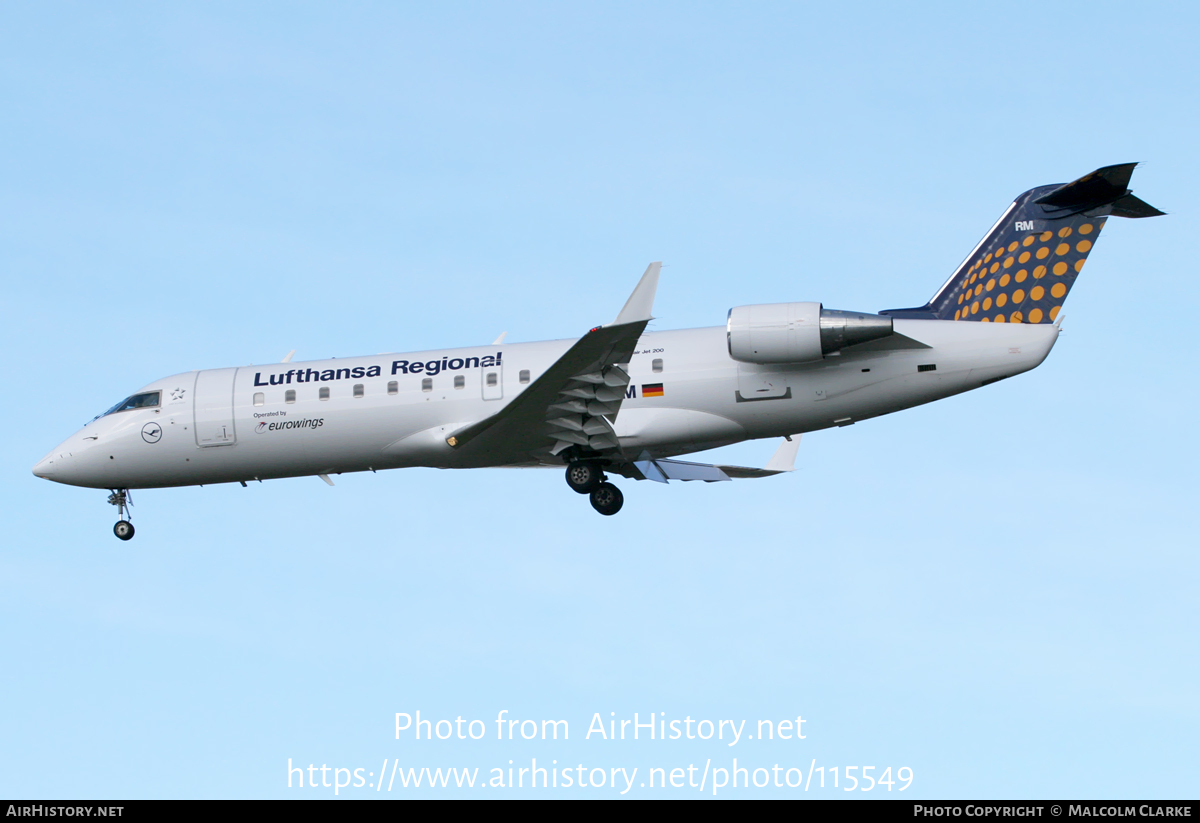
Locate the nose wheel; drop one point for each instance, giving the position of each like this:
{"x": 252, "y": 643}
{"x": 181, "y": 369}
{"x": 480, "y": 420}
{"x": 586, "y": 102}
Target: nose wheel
{"x": 123, "y": 500}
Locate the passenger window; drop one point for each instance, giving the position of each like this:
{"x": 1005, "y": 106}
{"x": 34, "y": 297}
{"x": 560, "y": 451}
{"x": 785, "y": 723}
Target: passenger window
{"x": 491, "y": 378}
{"x": 358, "y": 389}
{"x": 427, "y": 384}
{"x": 393, "y": 387}
{"x": 459, "y": 381}
{"x": 259, "y": 398}
{"x": 524, "y": 376}
{"x": 289, "y": 396}
{"x": 656, "y": 364}
{"x": 323, "y": 394}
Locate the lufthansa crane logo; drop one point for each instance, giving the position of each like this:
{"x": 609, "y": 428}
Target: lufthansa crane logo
{"x": 152, "y": 432}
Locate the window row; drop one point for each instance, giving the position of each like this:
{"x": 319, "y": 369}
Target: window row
{"x": 492, "y": 379}
{"x": 289, "y": 396}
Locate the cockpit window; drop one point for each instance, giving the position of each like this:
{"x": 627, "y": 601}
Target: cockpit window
{"x": 146, "y": 400}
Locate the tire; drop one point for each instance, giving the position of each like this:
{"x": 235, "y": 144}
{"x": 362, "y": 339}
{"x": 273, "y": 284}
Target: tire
{"x": 584, "y": 477}
{"x": 607, "y": 499}
{"x": 123, "y": 530}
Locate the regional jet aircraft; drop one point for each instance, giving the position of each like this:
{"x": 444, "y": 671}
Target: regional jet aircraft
{"x": 618, "y": 400}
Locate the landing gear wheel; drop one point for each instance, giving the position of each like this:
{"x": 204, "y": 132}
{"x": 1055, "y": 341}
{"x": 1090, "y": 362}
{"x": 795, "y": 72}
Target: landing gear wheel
{"x": 584, "y": 476}
{"x": 607, "y": 499}
{"x": 123, "y": 500}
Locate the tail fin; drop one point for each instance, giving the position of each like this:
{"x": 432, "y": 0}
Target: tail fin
{"x": 1022, "y": 270}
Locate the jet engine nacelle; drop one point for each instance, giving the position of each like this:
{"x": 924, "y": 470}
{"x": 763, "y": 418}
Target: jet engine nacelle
{"x": 798, "y": 332}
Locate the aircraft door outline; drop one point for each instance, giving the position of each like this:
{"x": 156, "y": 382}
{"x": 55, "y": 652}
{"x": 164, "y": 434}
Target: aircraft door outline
{"x": 212, "y": 404}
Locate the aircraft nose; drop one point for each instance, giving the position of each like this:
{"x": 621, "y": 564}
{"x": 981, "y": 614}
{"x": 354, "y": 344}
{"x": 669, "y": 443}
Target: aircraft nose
{"x": 45, "y": 468}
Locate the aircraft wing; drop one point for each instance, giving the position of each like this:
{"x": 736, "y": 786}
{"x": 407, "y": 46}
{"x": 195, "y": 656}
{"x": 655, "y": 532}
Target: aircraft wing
{"x": 574, "y": 402}
{"x": 662, "y": 470}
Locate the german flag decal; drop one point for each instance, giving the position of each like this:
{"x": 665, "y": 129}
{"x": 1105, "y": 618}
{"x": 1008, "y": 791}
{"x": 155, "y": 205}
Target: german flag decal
{"x": 652, "y": 390}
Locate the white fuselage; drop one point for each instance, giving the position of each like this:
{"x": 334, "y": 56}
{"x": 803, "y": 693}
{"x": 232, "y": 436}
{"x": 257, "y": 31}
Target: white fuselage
{"x": 228, "y": 425}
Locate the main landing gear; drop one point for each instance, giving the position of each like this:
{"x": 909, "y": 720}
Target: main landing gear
{"x": 584, "y": 476}
{"x": 607, "y": 499}
{"x": 587, "y": 477}
{"x": 123, "y": 500}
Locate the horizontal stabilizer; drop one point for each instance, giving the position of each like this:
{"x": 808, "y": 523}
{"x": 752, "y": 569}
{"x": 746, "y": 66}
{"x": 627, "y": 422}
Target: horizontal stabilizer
{"x": 1108, "y": 186}
{"x": 1094, "y": 189}
{"x": 1130, "y": 206}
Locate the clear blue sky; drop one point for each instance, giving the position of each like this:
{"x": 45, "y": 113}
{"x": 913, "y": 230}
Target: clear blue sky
{"x": 997, "y": 591}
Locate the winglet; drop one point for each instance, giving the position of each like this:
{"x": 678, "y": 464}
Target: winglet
{"x": 784, "y": 459}
{"x": 638, "y": 306}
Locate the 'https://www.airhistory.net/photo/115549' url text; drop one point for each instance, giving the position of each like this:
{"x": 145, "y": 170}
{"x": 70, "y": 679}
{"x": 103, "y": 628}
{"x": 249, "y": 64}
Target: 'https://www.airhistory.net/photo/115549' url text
{"x": 711, "y": 776}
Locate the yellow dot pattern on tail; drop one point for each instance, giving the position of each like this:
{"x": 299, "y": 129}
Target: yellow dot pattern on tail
{"x": 1041, "y": 303}
{"x": 1023, "y": 270}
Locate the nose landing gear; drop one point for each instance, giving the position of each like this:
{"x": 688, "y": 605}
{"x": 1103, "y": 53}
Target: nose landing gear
{"x": 123, "y": 500}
